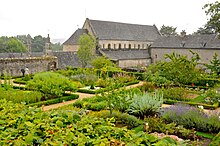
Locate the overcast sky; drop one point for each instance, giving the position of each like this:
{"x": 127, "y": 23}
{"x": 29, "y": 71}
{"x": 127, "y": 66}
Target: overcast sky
{"x": 60, "y": 18}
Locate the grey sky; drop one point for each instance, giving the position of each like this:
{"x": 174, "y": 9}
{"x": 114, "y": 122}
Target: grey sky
{"x": 62, "y": 17}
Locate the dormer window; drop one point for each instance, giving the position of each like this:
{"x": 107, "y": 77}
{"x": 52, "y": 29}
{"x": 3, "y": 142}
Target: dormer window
{"x": 129, "y": 46}
{"x": 109, "y": 46}
{"x": 139, "y": 46}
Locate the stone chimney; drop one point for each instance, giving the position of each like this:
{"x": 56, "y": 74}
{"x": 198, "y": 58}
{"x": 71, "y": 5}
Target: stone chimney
{"x": 183, "y": 33}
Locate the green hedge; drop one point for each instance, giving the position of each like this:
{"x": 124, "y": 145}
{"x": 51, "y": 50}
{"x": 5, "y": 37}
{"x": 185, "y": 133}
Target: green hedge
{"x": 56, "y": 100}
{"x": 104, "y": 89}
{"x": 215, "y": 140}
{"x": 206, "y": 106}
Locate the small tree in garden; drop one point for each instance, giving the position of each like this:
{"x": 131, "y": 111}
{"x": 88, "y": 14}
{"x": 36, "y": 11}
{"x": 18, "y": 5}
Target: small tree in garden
{"x": 101, "y": 61}
{"x": 51, "y": 84}
{"x": 179, "y": 69}
{"x": 86, "y": 52}
{"x": 214, "y": 65}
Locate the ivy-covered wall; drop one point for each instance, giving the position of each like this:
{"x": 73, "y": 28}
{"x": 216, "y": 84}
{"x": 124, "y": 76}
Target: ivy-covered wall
{"x": 13, "y": 66}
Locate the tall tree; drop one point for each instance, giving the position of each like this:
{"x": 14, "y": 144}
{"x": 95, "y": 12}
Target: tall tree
{"x": 38, "y": 43}
{"x": 214, "y": 65}
{"x": 86, "y": 51}
{"x": 205, "y": 30}
{"x": 213, "y": 10}
{"x": 14, "y": 45}
{"x": 168, "y": 30}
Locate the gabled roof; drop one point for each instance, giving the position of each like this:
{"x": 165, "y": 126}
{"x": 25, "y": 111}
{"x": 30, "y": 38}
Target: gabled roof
{"x": 74, "y": 39}
{"x": 125, "y": 54}
{"x": 188, "y": 41}
{"x": 106, "y": 30}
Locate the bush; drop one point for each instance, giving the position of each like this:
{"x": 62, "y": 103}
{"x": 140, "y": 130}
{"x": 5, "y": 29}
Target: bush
{"x": 18, "y": 96}
{"x": 147, "y": 87}
{"x": 86, "y": 79}
{"x": 121, "y": 119}
{"x": 177, "y": 93}
{"x": 215, "y": 140}
{"x": 192, "y": 117}
{"x": 51, "y": 84}
{"x": 145, "y": 104}
{"x": 56, "y": 100}
{"x": 157, "y": 124}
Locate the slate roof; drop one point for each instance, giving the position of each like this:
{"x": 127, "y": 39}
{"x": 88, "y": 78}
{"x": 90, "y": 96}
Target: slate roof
{"x": 188, "y": 41}
{"x": 125, "y": 54}
{"x": 106, "y": 30}
{"x": 67, "y": 59}
{"x": 74, "y": 39}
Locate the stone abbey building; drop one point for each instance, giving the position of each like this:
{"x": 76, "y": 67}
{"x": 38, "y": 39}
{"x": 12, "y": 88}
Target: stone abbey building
{"x": 131, "y": 45}
{"x": 127, "y": 45}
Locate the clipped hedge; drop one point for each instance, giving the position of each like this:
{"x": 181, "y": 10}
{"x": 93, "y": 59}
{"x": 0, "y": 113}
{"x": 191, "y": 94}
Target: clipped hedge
{"x": 215, "y": 140}
{"x": 56, "y": 100}
{"x": 205, "y": 106}
{"x": 105, "y": 89}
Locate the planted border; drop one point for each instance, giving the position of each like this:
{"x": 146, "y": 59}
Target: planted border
{"x": 57, "y": 100}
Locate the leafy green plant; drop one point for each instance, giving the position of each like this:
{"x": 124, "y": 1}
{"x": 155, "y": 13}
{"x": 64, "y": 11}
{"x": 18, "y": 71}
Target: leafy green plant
{"x": 145, "y": 104}
{"x": 51, "y": 84}
{"x": 177, "y": 93}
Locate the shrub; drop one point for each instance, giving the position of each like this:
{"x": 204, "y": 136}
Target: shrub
{"x": 86, "y": 79}
{"x": 56, "y": 100}
{"x": 192, "y": 117}
{"x": 175, "y": 94}
{"x": 145, "y": 104}
{"x": 215, "y": 140}
{"x": 51, "y": 84}
{"x": 121, "y": 119}
{"x": 147, "y": 87}
{"x": 18, "y": 96}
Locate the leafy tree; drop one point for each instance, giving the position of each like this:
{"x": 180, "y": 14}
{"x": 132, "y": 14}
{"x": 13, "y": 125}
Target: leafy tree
{"x": 214, "y": 65}
{"x": 213, "y": 10}
{"x": 205, "y": 30}
{"x": 38, "y": 43}
{"x": 14, "y": 45}
{"x": 86, "y": 52}
{"x": 57, "y": 47}
{"x": 168, "y": 30}
{"x": 179, "y": 70}
{"x": 100, "y": 62}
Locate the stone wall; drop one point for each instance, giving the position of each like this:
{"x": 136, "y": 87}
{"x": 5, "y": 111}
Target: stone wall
{"x": 68, "y": 48}
{"x": 66, "y": 59}
{"x": 13, "y": 66}
{"x": 133, "y": 63}
{"x": 115, "y": 44}
{"x": 206, "y": 55}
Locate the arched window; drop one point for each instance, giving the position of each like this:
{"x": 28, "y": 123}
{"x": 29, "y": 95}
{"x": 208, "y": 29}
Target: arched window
{"x": 119, "y": 46}
{"x": 129, "y": 46}
{"x": 139, "y": 46}
{"x": 142, "y": 46}
{"x": 109, "y": 46}
{"x": 114, "y": 46}
{"x": 124, "y": 45}
{"x": 103, "y": 46}
{"x": 134, "y": 46}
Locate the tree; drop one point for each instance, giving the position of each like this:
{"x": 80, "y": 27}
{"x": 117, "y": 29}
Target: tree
{"x": 214, "y": 65}
{"x": 101, "y": 61}
{"x": 38, "y": 43}
{"x": 205, "y": 30}
{"x": 168, "y": 30}
{"x": 213, "y": 10}
{"x": 14, "y": 45}
{"x": 86, "y": 51}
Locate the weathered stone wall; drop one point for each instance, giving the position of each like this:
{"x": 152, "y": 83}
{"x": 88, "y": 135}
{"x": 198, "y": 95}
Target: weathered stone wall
{"x": 13, "y": 66}
{"x": 115, "y": 44}
{"x": 66, "y": 59}
{"x": 206, "y": 55}
{"x": 68, "y": 48}
{"x": 132, "y": 63}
